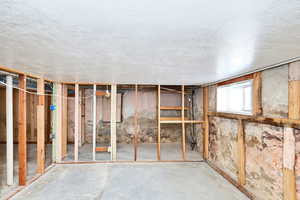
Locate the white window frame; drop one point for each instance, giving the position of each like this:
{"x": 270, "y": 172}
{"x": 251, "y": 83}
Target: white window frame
{"x": 244, "y": 111}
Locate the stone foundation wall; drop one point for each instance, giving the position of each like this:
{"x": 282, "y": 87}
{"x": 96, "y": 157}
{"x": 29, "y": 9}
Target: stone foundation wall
{"x": 264, "y": 143}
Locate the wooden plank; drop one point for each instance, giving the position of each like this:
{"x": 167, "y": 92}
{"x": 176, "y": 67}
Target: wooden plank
{"x": 235, "y": 80}
{"x": 158, "y": 122}
{"x": 100, "y": 93}
{"x": 136, "y": 123}
{"x": 206, "y": 124}
{"x": 41, "y": 126}
{"x": 76, "y": 129}
{"x": 241, "y": 154}
{"x": 182, "y": 123}
{"x": 256, "y": 94}
{"x": 172, "y": 119}
{"x": 94, "y": 120}
{"x": 58, "y": 132}
{"x": 101, "y": 149}
{"x": 65, "y": 121}
{"x": 172, "y": 108}
{"x": 9, "y": 132}
{"x": 294, "y": 123}
{"x": 179, "y": 122}
{"x": 294, "y": 98}
{"x": 113, "y": 123}
{"x": 22, "y": 131}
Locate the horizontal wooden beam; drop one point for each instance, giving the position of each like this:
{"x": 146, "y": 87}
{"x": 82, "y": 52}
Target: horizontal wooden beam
{"x": 239, "y": 79}
{"x": 101, "y": 149}
{"x": 259, "y": 119}
{"x": 172, "y": 108}
{"x": 186, "y": 122}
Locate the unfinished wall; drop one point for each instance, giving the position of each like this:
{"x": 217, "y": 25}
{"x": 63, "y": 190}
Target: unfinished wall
{"x": 263, "y": 143}
{"x": 32, "y": 100}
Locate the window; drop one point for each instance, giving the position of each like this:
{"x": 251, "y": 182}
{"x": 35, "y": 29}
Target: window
{"x": 235, "y": 98}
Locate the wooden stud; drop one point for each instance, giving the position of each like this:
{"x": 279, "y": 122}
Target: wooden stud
{"x": 206, "y": 124}
{"x": 136, "y": 123}
{"x": 58, "y": 131}
{"x": 9, "y": 131}
{"x": 113, "y": 124}
{"x": 158, "y": 124}
{"x": 65, "y": 121}
{"x": 41, "y": 126}
{"x": 289, "y": 143}
{"x": 182, "y": 123}
{"x": 94, "y": 120}
{"x": 256, "y": 94}
{"x": 76, "y": 129}
{"x": 22, "y": 131}
{"x": 241, "y": 154}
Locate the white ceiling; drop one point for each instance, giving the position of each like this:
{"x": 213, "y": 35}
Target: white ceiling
{"x": 147, "y": 41}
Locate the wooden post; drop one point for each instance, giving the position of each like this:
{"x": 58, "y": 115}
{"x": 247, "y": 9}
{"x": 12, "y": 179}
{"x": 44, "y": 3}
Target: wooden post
{"x": 136, "y": 123}
{"x": 113, "y": 124}
{"x": 65, "y": 121}
{"x": 182, "y": 122}
{"x": 58, "y": 132}
{"x": 158, "y": 122}
{"x": 22, "y": 131}
{"x": 9, "y": 131}
{"x": 41, "y": 126}
{"x": 256, "y": 91}
{"x": 289, "y": 144}
{"x": 94, "y": 120}
{"x": 241, "y": 154}
{"x": 80, "y": 141}
{"x": 76, "y": 129}
{"x": 205, "y": 124}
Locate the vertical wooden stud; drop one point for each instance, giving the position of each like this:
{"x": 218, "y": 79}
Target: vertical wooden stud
{"x": 158, "y": 122}
{"x": 94, "y": 120}
{"x": 183, "y": 123}
{"x": 41, "y": 126}
{"x": 136, "y": 123}
{"x": 65, "y": 121}
{"x": 76, "y": 129}
{"x": 205, "y": 124}
{"x": 9, "y": 131}
{"x": 241, "y": 154}
{"x": 256, "y": 91}
{"x": 22, "y": 131}
{"x": 58, "y": 132}
{"x": 113, "y": 124}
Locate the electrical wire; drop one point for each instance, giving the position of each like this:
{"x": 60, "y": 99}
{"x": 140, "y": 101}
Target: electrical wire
{"x": 42, "y": 94}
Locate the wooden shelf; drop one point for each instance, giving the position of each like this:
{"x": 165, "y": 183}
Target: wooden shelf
{"x": 179, "y": 122}
{"x": 170, "y": 119}
{"x": 172, "y": 108}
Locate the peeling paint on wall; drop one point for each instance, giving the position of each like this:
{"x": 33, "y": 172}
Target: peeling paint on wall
{"x": 264, "y": 149}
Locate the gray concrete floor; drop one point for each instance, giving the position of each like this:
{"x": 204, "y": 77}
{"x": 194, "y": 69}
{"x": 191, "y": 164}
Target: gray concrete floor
{"x": 31, "y": 165}
{"x": 125, "y": 152}
{"x": 138, "y": 181}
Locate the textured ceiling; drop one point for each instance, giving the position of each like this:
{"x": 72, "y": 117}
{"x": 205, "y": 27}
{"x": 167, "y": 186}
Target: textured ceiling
{"x": 147, "y": 41}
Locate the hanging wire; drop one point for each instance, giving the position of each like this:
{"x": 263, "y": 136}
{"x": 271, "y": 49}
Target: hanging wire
{"x": 41, "y": 94}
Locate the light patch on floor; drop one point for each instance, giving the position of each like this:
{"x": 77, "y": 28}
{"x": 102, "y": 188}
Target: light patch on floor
{"x": 132, "y": 181}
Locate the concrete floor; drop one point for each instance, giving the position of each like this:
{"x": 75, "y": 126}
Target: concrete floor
{"x": 169, "y": 151}
{"x": 31, "y": 165}
{"x": 138, "y": 181}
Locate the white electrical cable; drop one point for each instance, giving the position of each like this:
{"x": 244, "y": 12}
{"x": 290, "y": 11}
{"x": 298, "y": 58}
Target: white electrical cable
{"x": 42, "y": 94}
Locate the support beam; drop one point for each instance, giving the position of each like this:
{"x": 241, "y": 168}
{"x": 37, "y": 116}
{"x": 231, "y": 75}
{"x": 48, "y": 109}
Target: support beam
{"x": 65, "y": 121}
{"x": 113, "y": 122}
{"x": 9, "y": 131}
{"x": 94, "y": 120}
{"x": 256, "y": 91}
{"x": 241, "y": 154}
{"x": 58, "y": 132}
{"x": 22, "y": 131}
{"x": 41, "y": 126}
{"x": 76, "y": 129}
{"x": 182, "y": 123}
{"x": 136, "y": 123}
{"x": 206, "y": 124}
{"x": 158, "y": 122}
{"x": 289, "y": 144}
